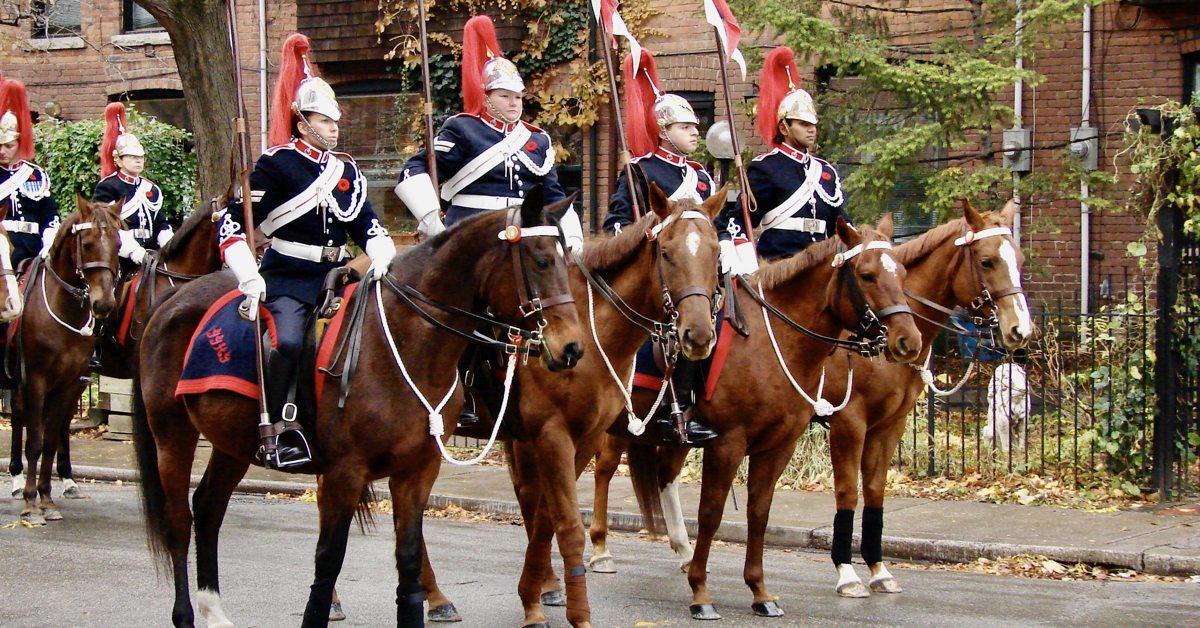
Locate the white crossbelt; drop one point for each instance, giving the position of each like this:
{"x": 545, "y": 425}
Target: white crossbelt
{"x": 310, "y": 252}
{"x": 806, "y": 225}
{"x": 479, "y": 201}
{"x": 21, "y": 226}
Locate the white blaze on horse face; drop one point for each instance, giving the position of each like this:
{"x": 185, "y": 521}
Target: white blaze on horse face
{"x": 889, "y": 264}
{"x": 693, "y": 243}
{"x": 1024, "y": 323}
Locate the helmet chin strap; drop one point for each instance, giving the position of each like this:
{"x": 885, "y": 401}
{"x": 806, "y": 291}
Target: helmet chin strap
{"x": 662, "y": 134}
{"x": 317, "y": 136}
{"x": 496, "y": 112}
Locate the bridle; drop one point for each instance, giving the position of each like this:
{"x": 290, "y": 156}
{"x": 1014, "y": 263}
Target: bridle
{"x": 81, "y": 294}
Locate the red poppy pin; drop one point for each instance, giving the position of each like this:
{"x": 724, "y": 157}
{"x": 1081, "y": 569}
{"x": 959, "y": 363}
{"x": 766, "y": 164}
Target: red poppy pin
{"x": 825, "y": 176}
{"x": 343, "y": 185}
{"x": 149, "y": 193}
{"x": 702, "y": 186}
{"x": 531, "y": 146}
{"x": 33, "y": 176}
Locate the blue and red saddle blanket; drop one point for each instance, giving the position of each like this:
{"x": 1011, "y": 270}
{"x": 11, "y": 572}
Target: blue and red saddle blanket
{"x": 221, "y": 356}
{"x": 647, "y": 373}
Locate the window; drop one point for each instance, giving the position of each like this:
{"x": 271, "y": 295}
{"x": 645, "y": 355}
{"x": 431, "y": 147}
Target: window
{"x": 137, "y": 19}
{"x": 56, "y": 18}
{"x": 1191, "y": 79}
{"x": 704, "y": 104}
{"x": 166, "y": 105}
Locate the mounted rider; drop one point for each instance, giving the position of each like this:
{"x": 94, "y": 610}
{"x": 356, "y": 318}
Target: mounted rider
{"x": 799, "y": 195}
{"x": 308, "y": 199}
{"x": 32, "y": 219}
{"x": 122, "y": 160}
{"x": 663, "y": 130}
{"x": 487, "y": 157}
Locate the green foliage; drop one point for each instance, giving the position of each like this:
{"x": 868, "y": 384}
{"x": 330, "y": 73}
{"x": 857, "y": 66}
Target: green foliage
{"x": 1167, "y": 168}
{"x": 69, "y": 151}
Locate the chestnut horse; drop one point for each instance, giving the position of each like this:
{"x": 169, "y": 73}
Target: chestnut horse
{"x": 68, "y": 293}
{"x": 755, "y": 408}
{"x": 382, "y": 431}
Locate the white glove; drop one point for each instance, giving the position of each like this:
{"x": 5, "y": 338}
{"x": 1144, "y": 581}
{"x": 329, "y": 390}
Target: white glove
{"x": 747, "y": 258}
{"x": 729, "y": 259}
{"x": 572, "y": 231}
{"x": 381, "y": 250}
{"x": 241, "y": 261}
{"x": 130, "y": 248}
{"x": 165, "y": 236}
{"x": 47, "y": 241}
{"x": 431, "y": 225}
{"x": 417, "y": 194}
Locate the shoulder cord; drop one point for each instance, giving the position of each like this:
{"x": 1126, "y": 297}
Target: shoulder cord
{"x": 821, "y": 406}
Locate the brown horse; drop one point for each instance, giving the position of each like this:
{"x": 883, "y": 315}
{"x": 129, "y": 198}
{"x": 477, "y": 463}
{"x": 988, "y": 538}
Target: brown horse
{"x": 68, "y": 293}
{"x": 382, "y": 431}
{"x": 755, "y": 408}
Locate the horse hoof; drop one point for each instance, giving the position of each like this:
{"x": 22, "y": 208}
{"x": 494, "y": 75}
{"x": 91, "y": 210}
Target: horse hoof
{"x": 52, "y": 514}
{"x": 17, "y": 492}
{"x": 33, "y": 518}
{"x": 544, "y": 624}
{"x": 73, "y": 492}
{"x": 853, "y": 589}
{"x": 554, "y": 598}
{"x": 604, "y": 564}
{"x": 769, "y": 608}
{"x": 704, "y": 612}
{"x": 684, "y": 566}
{"x": 885, "y": 585}
{"x": 444, "y": 613}
{"x": 336, "y": 613}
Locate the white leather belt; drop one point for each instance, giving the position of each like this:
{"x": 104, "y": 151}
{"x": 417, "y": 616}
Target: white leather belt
{"x": 21, "y": 226}
{"x": 310, "y": 252}
{"x": 140, "y": 234}
{"x": 478, "y": 201}
{"x": 807, "y": 225}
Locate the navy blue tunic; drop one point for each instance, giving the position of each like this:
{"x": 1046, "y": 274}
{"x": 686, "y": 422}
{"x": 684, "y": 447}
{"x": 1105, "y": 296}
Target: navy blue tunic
{"x": 664, "y": 168}
{"x": 30, "y": 203}
{"x": 465, "y": 137}
{"x": 281, "y": 174}
{"x": 145, "y": 218}
{"x": 774, "y": 177}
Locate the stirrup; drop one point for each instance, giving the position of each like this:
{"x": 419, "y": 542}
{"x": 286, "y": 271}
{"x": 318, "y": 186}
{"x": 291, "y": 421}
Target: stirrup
{"x": 274, "y": 455}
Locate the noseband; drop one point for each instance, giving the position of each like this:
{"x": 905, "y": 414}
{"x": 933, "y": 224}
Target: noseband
{"x": 870, "y": 331}
{"x": 80, "y": 266}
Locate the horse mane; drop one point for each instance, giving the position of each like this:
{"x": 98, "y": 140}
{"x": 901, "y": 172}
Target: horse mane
{"x": 604, "y": 252}
{"x": 186, "y": 231}
{"x": 100, "y": 215}
{"x": 776, "y": 273}
{"x": 921, "y": 246}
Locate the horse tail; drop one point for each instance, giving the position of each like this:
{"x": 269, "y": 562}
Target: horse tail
{"x": 154, "y": 498}
{"x": 644, "y": 471}
{"x": 364, "y": 512}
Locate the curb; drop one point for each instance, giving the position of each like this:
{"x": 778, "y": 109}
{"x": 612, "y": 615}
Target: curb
{"x": 904, "y": 548}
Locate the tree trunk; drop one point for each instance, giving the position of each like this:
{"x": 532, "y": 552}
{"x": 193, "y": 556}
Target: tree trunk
{"x": 199, "y": 31}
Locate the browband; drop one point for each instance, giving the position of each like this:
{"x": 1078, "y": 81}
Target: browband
{"x": 842, "y": 258}
{"x": 689, "y": 214}
{"x": 513, "y": 233}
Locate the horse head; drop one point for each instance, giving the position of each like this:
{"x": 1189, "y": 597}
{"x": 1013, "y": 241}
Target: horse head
{"x": 86, "y": 247}
{"x": 687, "y": 249}
{"x": 996, "y": 271}
{"x": 12, "y": 294}
{"x": 868, "y": 274}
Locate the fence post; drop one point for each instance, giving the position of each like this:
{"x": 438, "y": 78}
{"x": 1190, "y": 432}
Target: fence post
{"x": 1167, "y": 363}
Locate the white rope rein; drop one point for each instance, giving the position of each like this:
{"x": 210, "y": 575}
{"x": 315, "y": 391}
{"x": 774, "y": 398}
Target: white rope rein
{"x": 931, "y": 382}
{"x": 436, "y": 426}
{"x": 636, "y": 425}
{"x": 88, "y": 327}
{"x": 821, "y": 406}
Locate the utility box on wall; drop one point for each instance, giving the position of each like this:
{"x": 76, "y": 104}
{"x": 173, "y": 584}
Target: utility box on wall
{"x": 1017, "y": 150}
{"x": 1085, "y": 146}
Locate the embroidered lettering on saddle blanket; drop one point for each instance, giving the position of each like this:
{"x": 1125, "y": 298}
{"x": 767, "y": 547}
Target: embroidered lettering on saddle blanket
{"x": 220, "y": 355}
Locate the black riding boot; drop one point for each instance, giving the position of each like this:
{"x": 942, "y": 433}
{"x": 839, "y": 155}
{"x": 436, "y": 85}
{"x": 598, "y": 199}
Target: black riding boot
{"x": 284, "y": 444}
{"x": 466, "y": 365}
{"x": 675, "y": 421}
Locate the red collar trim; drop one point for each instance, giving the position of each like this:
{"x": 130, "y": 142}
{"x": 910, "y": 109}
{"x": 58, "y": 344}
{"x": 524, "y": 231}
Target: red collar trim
{"x": 307, "y": 150}
{"x": 794, "y": 153}
{"x": 14, "y": 167}
{"x": 670, "y": 156}
{"x": 126, "y": 178}
{"x": 497, "y": 123}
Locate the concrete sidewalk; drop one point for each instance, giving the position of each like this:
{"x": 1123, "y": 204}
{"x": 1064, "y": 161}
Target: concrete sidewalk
{"x": 916, "y": 529}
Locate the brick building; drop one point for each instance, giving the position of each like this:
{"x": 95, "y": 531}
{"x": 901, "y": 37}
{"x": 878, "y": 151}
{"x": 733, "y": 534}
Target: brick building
{"x": 81, "y": 54}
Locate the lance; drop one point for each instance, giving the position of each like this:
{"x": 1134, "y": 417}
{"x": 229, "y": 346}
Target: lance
{"x": 430, "y": 154}
{"x": 746, "y": 197}
{"x": 619, "y": 121}
{"x": 242, "y": 139}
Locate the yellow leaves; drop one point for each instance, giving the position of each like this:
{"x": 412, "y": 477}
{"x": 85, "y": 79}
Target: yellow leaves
{"x": 18, "y": 522}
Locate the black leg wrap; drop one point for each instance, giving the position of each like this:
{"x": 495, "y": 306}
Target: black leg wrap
{"x": 843, "y": 536}
{"x": 684, "y": 378}
{"x": 872, "y": 535}
{"x": 410, "y": 606}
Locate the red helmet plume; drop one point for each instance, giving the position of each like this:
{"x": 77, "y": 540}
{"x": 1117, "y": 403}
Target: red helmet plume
{"x": 641, "y": 90}
{"x": 13, "y": 100}
{"x": 479, "y": 46}
{"x": 114, "y": 126}
{"x": 779, "y": 77}
{"x": 293, "y": 69}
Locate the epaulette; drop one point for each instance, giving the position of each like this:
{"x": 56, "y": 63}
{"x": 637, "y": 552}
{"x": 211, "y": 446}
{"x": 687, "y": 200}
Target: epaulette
{"x": 637, "y": 159}
{"x": 695, "y": 165}
{"x": 342, "y": 155}
{"x": 103, "y": 179}
{"x": 274, "y": 149}
{"x": 533, "y": 128}
{"x": 766, "y": 154}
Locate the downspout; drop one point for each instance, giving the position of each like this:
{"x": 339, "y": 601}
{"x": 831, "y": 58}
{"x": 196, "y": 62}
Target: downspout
{"x": 1018, "y": 121}
{"x": 262, "y": 74}
{"x": 1084, "y": 191}
{"x": 593, "y": 138}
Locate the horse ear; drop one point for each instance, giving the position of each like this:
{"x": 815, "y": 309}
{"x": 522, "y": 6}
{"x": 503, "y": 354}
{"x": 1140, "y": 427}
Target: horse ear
{"x": 716, "y": 202}
{"x": 1007, "y": 213}
{"x": 532, "y": 206}
{"x": 82, "y": 204}
{"x": 846, "y": 232}
{"x": 659, "y": 203}
{"x": 886, "y": 226}
{"x": 974, "y": 218}
{"x": 559, "y": 209}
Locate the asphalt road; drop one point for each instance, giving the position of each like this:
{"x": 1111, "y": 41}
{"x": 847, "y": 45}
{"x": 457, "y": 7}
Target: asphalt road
{"x": 92, "y": 569}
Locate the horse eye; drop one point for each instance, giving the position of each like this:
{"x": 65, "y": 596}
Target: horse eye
{"x": 868, "y": 277}
{"x": 542, "y": 264}
{"x": 666, "y": 257}
{"x": 987, "y": 263}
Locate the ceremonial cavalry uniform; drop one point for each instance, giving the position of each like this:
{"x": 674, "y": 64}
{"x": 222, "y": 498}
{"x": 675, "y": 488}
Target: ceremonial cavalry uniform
{"x": 799, "y": 195}
{"x": 677, "y": 176}
{"x": 145, "y": 221}
{"x": 307, "y": 199}
{"x": 32, "y": 218}
{"x": 484, "y": 162}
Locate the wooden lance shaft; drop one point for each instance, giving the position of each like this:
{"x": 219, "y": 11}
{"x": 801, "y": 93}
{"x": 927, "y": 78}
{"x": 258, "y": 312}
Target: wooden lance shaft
{"x": 430, "y": 154}
{"x": 746, "y": 197}
{"x": 619, "y": 121}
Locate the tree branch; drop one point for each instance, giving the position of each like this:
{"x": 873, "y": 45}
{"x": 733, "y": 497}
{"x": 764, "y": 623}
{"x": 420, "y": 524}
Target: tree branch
{"x": 894, "y": 10}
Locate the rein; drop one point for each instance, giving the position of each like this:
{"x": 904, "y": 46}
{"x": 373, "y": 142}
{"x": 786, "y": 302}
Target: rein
{"x": 80, "y": 294}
